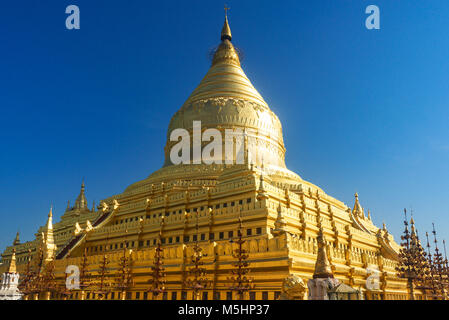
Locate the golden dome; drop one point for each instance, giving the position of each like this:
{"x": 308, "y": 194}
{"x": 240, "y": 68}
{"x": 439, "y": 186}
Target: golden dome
{"x": 226, "y": 99}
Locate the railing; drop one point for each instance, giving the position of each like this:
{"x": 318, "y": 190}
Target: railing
{"x": 79, "y": 238}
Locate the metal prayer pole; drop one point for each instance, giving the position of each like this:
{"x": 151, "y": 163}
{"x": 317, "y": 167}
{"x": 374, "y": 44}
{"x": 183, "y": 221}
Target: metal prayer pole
{"x": 241, "y": 283}
{"x": 199, "y": 281}
{"x": 158, "y": 271}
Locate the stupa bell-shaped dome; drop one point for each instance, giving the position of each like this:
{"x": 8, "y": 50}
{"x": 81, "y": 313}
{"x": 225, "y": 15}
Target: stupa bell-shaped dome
{"x": 226, "y": 99}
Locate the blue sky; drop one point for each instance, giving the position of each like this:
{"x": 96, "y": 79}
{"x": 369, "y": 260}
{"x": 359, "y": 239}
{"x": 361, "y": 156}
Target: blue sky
{"x": 362, "y": 110}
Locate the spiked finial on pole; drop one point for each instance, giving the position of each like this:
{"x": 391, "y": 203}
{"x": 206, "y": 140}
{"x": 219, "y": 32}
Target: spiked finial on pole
{"x": 445, "y": 255}
{"x": 428, "y": 244}
{"x": 435, "y": 236}
{"x": 405, "y": 219}
{"x": 226, "y": 10}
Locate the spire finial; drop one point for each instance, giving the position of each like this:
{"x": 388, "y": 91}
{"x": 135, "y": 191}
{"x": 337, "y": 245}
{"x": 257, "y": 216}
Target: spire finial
{"x": 226, "y": 31}
{"x": 428, "y": 245}
{"x": 81, "y": 201}
{"x": 261, "y": 193}
{"x": 226, "y": 10}
{"x": 357, "y": 210}
{"x": 435, "y": 236}
{"x": 279, "y": 224}
{"x": 49, "y": 225}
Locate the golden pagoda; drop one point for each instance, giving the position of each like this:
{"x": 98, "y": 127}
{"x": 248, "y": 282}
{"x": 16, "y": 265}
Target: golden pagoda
{"x": 285, "y": 219}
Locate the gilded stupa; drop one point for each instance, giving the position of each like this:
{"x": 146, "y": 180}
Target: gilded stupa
{"x": 183, "y": 205}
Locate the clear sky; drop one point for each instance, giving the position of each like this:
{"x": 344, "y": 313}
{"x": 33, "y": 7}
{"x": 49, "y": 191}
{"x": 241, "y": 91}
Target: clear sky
{"x": 362, "y": 110}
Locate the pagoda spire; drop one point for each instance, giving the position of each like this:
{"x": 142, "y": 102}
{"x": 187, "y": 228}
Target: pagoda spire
{"x": 81, "y": 201}
{"x": 226, "y": 30}
{"x": 357, "y": 210}
{"x": 279, "y": 225}
{"x": 49, "y": 225}
{"x": 226, "y": 53}
{"x": 322, "y": 266}
{"x": 17, "y": 239}
{"x": 12, "y": 263}
{"x": 261, "y": 193}
{"x": 48, "y": 241}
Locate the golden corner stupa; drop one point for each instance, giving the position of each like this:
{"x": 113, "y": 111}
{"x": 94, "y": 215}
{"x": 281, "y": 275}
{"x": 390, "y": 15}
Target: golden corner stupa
{"x": 181, "y": 232}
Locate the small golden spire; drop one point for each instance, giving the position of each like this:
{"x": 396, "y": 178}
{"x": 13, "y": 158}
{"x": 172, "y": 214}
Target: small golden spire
{"x": 357, "y": 210}
{"x": 12, "y": 263}
{"x": 226, "y": 52}
{"x": 81, "y": 201}
{"x": 322, "y": 266}
{"x": 226, "y": 31}
{"x": 261, "y": 193}
{"x": 280, "y": 222}
{"x": 48, "y": 242}
{"x": 17, "y": 239}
